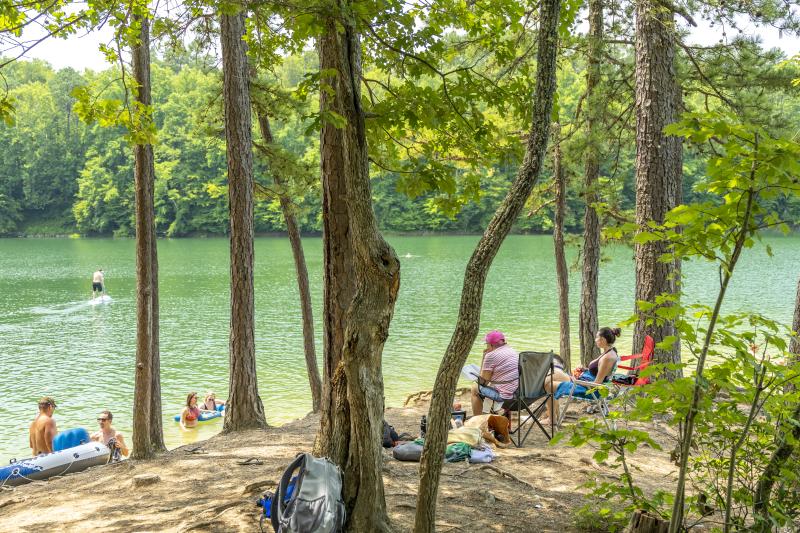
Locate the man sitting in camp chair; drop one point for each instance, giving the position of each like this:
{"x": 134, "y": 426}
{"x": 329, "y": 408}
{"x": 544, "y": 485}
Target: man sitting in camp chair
{"x": 499, "y": 373}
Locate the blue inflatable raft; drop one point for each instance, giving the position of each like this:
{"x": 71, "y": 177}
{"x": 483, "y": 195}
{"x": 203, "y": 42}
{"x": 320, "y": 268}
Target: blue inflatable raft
{"x": 73, "y": 452}
{"x": 70, "y": 438}
{"x": 205, "y": 416}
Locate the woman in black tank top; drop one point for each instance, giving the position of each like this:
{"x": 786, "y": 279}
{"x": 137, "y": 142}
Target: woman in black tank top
{"x": 602, "y": 366}
{"x": 600, "y": 369}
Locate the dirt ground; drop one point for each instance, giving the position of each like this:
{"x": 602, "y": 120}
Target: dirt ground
{"x": 203, "y": 487}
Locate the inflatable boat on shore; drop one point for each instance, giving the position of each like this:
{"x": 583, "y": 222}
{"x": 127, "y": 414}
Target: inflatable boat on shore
{"x": 45, "y": 466}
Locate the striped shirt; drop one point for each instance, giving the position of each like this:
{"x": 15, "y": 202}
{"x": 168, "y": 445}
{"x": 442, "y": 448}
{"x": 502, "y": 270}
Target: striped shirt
{"x": 503, "y": 363}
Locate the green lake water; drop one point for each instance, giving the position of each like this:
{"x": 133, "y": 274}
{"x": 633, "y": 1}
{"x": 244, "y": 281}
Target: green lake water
{"x": 53, "y": 342}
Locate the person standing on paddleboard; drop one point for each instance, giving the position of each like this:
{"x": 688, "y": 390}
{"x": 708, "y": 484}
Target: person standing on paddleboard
{"x": 98, "y": 283}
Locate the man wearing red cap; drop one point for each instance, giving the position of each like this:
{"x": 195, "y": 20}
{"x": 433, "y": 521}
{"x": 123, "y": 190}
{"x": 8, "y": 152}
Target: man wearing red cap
{"x": 499, "y": 377}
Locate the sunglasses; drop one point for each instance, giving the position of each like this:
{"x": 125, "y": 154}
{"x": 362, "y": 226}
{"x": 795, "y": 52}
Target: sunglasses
{"x": 102, "y": 419}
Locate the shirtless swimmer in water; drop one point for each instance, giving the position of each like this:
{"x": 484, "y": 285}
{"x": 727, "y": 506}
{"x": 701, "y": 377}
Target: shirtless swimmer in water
{"x": 43, "y": 429}
{"x": 108, "y": 435}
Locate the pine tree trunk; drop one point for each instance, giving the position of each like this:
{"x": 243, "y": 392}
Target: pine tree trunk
{"x": 562, "y": 273}
{"x": 588, "y": 322}
{"x": 147, "y": 437}
{"x": 359, "y": 302}
{"x": 156, "y": 420}
{"x": 658, "y": 164}
{"x": 293, "y": 231}
{"x": 244, "y": 409}
{"x": 478, "y": 267}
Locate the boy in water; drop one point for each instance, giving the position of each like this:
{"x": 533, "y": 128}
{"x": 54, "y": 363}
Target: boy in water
{"x": 43, "y": 429}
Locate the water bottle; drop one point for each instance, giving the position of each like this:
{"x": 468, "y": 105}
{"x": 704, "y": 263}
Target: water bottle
{"x": 423, "y": 426}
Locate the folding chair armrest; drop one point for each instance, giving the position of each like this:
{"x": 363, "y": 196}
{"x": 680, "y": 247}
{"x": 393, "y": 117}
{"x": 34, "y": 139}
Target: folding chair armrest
{"x": 636, "y": 368}
{"x": 588, "y": 384}
{"x": 631, "y": 357}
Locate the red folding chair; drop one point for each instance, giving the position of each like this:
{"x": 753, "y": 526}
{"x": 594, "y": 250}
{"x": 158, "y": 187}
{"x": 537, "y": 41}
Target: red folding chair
{"x": 626, "y": 382}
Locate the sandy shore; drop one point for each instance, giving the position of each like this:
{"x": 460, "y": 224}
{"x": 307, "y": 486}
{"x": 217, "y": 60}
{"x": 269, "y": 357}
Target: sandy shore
{"x": 203, "y": 487}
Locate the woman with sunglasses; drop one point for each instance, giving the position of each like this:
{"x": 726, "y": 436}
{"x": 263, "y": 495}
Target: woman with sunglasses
{"x": 110, "y": 436}
{"x": 211, "y": 403}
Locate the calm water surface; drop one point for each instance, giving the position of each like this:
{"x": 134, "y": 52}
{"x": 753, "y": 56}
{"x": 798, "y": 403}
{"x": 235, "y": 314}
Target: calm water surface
{"x": 53, "y": 342}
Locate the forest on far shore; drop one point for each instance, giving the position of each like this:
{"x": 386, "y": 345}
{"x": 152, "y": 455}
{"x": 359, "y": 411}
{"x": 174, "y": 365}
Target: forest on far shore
{"x": 59, "y": 175}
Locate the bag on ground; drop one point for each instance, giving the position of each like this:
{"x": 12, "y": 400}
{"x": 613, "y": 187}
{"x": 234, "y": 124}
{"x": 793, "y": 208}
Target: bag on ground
{"x": 484, "y": 454}
{"x": 265, "y": 502}
{"x": 408, "y": 451}
{"x": 390, "y": 437}
{"x": 316, "y": 504}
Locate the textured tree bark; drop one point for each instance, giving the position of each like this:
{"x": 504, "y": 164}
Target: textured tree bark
{"x": 642, "y": 522}
{"x": 658, "y": 164}
{"x": 359, "y": 302}
{"x": 244, "y": 409}
{"x": 156, "y": 420}
{"x": 478, "y": 266}
{"x": 562, "y": 273}
{"x": 293, "y": 231}
{"x": 147, "y": 437}
{"x": 588, "y": 322}
{"x": 339, "y": 284}
{"x": 784, "y": 448}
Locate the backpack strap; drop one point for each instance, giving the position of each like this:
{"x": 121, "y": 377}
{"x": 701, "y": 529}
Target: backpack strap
{"x": 278, "y": 507}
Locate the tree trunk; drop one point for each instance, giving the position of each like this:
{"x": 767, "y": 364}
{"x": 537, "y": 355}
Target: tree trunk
{"x": 478, "y": 266}
{"x": 244, "y": 409}
{"x": 156, "y": 420}
{"x": 785, "y": 446}
{"x": 658, "y": 165}
{"x": 147, "y": 437}
{"x": 588, "y": 322}
{"x": 562, "y": 273}
{"x": 643, "y": 522}
{"x": 362, "y": 278}
{"x": 293, "y": 230}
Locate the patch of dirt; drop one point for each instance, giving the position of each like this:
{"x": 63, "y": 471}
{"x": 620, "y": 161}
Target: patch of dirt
{"x": 203, "y": 488}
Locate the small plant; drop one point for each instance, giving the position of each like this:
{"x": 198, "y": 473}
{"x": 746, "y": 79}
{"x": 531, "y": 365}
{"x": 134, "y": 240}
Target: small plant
{"x": 735, "y": 422}
{"x": 613, "y": 501}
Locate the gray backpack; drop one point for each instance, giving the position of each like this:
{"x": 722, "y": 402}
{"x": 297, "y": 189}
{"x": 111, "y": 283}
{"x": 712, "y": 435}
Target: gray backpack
{"x": 315, "y": 505}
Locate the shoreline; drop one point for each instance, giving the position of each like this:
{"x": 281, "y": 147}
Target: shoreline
{"x": 74, "y": 234}
{"x": 533, "y": 488}
{"x": 276, "y": 234}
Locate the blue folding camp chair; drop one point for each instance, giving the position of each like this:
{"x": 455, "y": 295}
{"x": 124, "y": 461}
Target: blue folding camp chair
{"x": 584, "y": 390}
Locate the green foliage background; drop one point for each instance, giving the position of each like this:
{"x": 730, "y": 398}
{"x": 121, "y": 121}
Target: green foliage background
{"x": 59, "y": 175}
